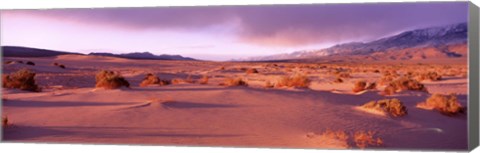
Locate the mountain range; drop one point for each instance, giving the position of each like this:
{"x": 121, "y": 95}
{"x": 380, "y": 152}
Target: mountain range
{"x": 16, "y": 51}
{"x": 434, "y": 42}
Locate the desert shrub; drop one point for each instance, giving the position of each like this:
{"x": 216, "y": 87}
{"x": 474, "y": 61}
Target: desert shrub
{"x": 446, "y": 104}
{"x": 23, "y": 79}
{"x": 394, "y": 107}
{"x": 189, "y": 79}
{"x": 433, "y": 76}
{"x": 338, "y": 80}
{"x": 268, "y": 84}
{"x": 222, "y": 68}
{"x": 251, "y": 70}
{"x": 343, "y": 75}
{"x": 234, "y": 82}
{"x": 21, "y": 62}
{"x": 359, "y": 86}
{"x": 364, "y": 139}
{"x": 371, "y": 85}
{"x": 178, "y": 81}
{"x": 9, "y": 62}
{"x": 203, "y": 80}
{"x": 338, "y": 135}
{"x": 30, "y": 63}
{"x": 110, "y": 80}
{"x": 150, "y": 79}
{"x": 59, "y": 65}
{"x": 5, "y": 123}
{"x": 298, "y": 81}
{"x": 404, "y": 83}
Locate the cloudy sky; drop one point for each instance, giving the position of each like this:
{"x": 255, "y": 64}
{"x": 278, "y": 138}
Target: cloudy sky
{"x": 219, "y": 32}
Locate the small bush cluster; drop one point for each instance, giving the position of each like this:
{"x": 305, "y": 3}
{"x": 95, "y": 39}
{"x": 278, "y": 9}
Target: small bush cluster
{"x": 394, "y": 107}
{"x": 23, "y": 79}
{"x": 234, "y": 82}
{"x": 402, "y": 84}
{"x": 297, "y": 81}
{"x": 433, "y": 76}
{"x": 204, "y": 79}
{"x": 152, "y": 79}
{"x": 59, "y": 65}
{"x": 251, "y": 70}
{"x": 361, "y": 139}
{"x": 364, "y": 139}
{"x": 363, "y": 85}
{"x": 30, "y": 63}
{"x": 5, "y": 123}
{"x": 445, "y": 104}
{"x": 110, "y": 80}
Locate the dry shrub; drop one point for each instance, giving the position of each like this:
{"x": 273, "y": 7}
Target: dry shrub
{"x": 222, "y": 68}
{"x": 445, "y": 104}
{"x": 23, "y": 79}
{"x": 404, "y": 83}
{"x": 178, "y": 81}
{"x": 343, "y": 75}
{"x": 5, "y": 123}
{"x": 203, "y": 80}
{"x": 297, "y": 81}
{"x": 338, "y": 135}
{"x": 59, "y": 65}
{"x": 235, "y": 82}
{"x": 110, "y": 80}
{"x": 251, "y": 70}
{"x": 9, "y": 62}
{"x": 371, "y": 85}
{"x": 268, "y": 84}
{"x": 30, "y": 63}
{"x": 364, "y": 139}
{"x": 394, "y": 107}
{"x": 150, "y": 79}
{"x": 359, "y": 86}
{"x": 433, "y": 76}
{"x": 189, "y": 79}
{"x": 21, "y": 62}
{"x": 361, "y": 139}
{"x": 338, "y": 80}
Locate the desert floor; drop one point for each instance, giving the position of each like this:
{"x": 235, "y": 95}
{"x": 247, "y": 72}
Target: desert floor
{"x": 71, "y": 110}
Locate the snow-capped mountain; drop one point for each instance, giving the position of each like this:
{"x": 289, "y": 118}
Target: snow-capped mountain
{"x": 438, "y": 38}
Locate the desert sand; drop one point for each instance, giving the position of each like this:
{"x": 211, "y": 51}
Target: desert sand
{"x": 69, "y": 109}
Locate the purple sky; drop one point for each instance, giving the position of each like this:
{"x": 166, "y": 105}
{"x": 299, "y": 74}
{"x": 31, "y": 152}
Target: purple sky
{"x": 220, "y": 32}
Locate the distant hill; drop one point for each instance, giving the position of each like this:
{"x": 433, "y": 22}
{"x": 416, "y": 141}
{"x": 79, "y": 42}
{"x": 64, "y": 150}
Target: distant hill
{"x": 435, "y": 42}
{"x": 144, "y": 55}
{"x": 16, "y": 51}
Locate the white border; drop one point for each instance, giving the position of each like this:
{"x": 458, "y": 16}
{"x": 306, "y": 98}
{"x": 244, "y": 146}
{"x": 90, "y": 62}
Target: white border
{"x": 74, "y": 148}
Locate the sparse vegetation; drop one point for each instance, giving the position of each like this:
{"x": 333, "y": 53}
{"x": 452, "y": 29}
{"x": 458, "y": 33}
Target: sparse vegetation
{"x": 251, "y": 70}
{"x": 59, "y": 65}
{"x": 235, "y": 82}
{"x": 30, "y": 63}
{"x": 268, "y": 84}
{"x": 338, "y": 80}
{"x": 204, "y": 79}
{"x": 359, "y": 86}
{"x": 110, "y": 80}
{"x": 150, "y": 79}
{"x": 404, "y": 83}
{"x": 297, "y": 81}
{"x": 394, "y": 107}
{"x": 445, "y": 104}
{"x": 5, "y": 123}
{"x": 23, "y": 79}
{"x": 364, "y": 139}
{"x": 433, "y": 76}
